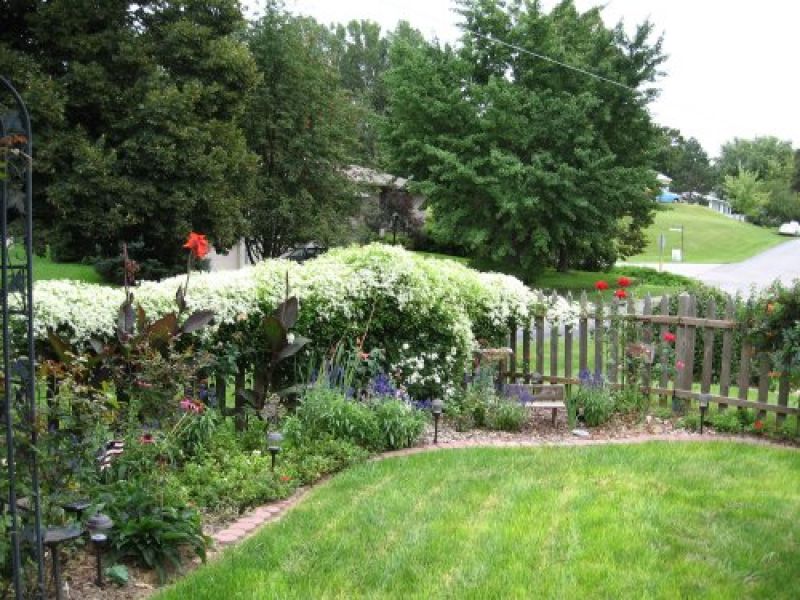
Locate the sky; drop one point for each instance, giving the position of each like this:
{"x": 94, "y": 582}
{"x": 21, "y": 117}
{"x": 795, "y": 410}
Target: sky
{"x": 731, "y": 70}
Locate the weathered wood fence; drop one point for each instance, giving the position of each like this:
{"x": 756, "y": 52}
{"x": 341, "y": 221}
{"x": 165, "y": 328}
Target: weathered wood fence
{"x": 613, "y": 340}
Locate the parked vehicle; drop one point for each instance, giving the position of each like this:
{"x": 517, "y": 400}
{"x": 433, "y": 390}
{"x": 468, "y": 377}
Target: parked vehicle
{"x": 304, "y": 252}
{"x": 790, "y": 228}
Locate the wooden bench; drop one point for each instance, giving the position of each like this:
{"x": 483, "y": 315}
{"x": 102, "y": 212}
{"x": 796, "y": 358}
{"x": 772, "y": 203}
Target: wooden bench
{"x": 545, "y": 396}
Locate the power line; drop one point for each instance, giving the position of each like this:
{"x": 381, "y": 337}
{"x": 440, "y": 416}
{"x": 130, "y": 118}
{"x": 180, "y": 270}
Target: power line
{"x": 554, "y": 61}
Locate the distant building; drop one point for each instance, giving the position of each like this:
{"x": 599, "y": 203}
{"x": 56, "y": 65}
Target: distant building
{"x": 666, "y": 196}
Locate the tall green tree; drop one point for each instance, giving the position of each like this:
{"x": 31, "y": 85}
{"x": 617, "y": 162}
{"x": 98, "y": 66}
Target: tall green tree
{"x": 301, "y": 123}
{"x": 525, "y": 163}
{"x": 685, "y": 161}
{"x": 762, "y": 168}
{"x": 148, "y": 146}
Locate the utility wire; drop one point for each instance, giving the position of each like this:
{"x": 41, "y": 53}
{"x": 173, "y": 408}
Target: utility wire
{"x": 554, "y": 61}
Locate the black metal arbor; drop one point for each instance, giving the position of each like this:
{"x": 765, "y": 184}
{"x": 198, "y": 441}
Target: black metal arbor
{"x": 20, "y": 505}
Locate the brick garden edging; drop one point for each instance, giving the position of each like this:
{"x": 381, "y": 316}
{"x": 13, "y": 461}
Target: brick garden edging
{"x": 252, "y": 521}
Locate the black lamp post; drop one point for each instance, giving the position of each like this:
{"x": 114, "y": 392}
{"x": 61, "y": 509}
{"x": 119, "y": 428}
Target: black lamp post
{"x": 395, "y": 219}
{"x": 704, "y": 401}
{"x": 436, "y": 408}
{"x": 274, "y": 440}
{"x": 98, "y": 526}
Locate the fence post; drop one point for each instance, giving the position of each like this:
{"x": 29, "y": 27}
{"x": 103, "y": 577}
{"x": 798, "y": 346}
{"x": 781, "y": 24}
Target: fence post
{"x": 553, "y": 349}
{"x": 763, "y": 382}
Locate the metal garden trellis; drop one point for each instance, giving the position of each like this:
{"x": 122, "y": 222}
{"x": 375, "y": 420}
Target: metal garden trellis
{"x": 19, "y": 375}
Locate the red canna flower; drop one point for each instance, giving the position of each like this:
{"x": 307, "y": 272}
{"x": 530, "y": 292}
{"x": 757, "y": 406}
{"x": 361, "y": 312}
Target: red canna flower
{"x": 758, "y": 425}
{"x": 285, "y": 478}
{"x": 601, "y": 285}
{"x": 620, "y": 293}
{"x": 197, "y": 244}
{"x": 669, "y": 337}
{"x": 147, "y": 438}
{"x": 623, "y": 282}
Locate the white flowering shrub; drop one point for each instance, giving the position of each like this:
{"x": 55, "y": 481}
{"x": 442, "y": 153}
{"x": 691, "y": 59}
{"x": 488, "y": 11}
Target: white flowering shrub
{"x": 426, "y": 314}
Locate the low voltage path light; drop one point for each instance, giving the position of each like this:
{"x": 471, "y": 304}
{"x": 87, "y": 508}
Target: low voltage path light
{"x": 274, "y": 440}
{"x": 98, "y": 526}
{"x": 395, "y": 219}
{"x": 436, "y": 408}
{"x": 705, "y": 399}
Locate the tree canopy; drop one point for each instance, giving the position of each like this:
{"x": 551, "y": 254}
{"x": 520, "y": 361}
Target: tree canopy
{"x": 526, "y": 163}
{"x": 685, "y": 162}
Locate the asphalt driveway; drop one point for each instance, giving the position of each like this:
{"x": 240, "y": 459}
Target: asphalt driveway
{"x": 781, "y": 262}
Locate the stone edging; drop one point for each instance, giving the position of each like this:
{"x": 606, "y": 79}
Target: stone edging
{"x": 249, "y": 523}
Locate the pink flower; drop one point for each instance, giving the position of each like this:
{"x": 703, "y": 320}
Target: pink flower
{"x": 680, "y": 364}
{"x": 190, "y": 405}
{"x": 669, "y": 337}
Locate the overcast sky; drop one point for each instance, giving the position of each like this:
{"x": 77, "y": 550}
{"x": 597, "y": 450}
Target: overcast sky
{"x": 732, "y": 63}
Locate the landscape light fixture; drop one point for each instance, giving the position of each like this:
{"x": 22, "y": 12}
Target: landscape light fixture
{"x": 274, "y": 440}
{"x": 705, "y": 399}
{"x": 436, "y": 408}
{"x": 395, "y": 219}
{"x": 98, "y": 526}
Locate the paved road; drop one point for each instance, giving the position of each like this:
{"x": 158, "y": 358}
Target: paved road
{"x": 781, "y": 262}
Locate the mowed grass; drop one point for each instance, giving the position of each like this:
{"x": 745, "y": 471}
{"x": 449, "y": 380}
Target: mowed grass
{"x": 660, "y": 520}
{"x": 709, "y": 237}
{"x": 44, "y": 268}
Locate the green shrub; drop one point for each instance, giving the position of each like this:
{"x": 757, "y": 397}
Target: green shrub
{"x": 690, "y": 422}
{"x": 594, "y": 399}
{"x": 317, "y": 458}
{"x": 728, "y": 421}
{"x": 506, "y": 415}
{"x": 326, "y": 414}
{"x": 152, "y": 525}
{"x": 399, "y": 425}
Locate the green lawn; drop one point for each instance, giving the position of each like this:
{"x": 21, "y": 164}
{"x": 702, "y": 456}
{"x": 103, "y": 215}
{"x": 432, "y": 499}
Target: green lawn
{"x": 645, "y": 281}
{"x": 709, "y": 237}
{"x": 45, "y": 268}
{"x": 660, "y": 520}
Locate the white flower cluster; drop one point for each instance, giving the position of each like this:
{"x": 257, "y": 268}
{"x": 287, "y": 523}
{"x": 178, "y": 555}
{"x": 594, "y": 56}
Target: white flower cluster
{"x": 426, "y": 373}
{"x": 561, "y": 311}
{"x": 438, "y": 307}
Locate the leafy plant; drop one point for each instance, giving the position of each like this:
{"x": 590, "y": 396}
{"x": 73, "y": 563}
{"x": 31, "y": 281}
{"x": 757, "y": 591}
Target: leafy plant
{"x": 594, "y": 399}
{"x": 506, "y": 415}
{"x": 152, "y": 527}
{"x": 118, "y": 574}
{"x": 399, "y": 425}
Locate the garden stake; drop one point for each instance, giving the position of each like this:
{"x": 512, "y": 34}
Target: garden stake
{"x": 436, "y": 408}
{"x": 704, "y": 400}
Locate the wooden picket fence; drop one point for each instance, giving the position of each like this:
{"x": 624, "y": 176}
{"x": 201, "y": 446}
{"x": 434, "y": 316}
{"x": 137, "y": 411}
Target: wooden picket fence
{"x": 628, "y": 340}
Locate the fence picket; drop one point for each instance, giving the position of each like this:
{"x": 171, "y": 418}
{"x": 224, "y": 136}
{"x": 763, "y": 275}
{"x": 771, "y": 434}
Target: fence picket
{"x": 691, "y": 340}
{"x": 583, "y": 336}
{"x": 598, "y": 337}
{"x": 540, "y": 345}
{"x": 708, "y": 349}
{"x": 512, "y": 358}
{"x": 526, "y": 352}
{"x": 744, "y": 371}
{"x": 665, "y": 366}
{"x": 783, "y": 399}
{"x": 727, "y": 354}
{"x": 647, "y": 338}
{"x": 763, "y": 382}
{"x": 613, "y": 342}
